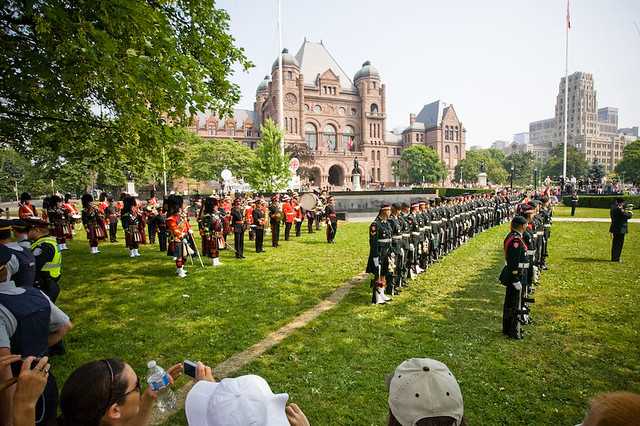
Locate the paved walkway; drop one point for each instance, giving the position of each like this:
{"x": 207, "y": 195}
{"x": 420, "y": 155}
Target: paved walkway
{"x": 239, "y": 360}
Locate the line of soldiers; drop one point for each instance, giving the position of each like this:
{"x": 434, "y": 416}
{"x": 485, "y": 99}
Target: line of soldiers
{"x": 526, "y": 252}
{"x": 405, "y": 239}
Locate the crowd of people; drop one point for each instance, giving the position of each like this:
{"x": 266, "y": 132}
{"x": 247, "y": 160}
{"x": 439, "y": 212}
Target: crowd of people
{"x": 405, "y": 239}
{"x": 169, "y": 222}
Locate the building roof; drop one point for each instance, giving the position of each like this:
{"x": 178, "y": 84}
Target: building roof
{"x": 431, "y": 114}
{"x": 239, "y": 115}
{"x": 315, "y": 59}
{"x": 392, "y": 138}
{"x": 366, "y": 71}
{"x": 287, "y": 60}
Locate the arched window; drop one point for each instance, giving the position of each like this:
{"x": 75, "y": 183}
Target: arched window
{"x": 373, "y": 155}
{"x": 349, "y": 138}
{"x": 330, "y": 137}
{"x": 289, "y": 75}
{"x": 374, "y": 108}
{"x": 446, "y": 149}
{"x": 295, "y": 126}
{"x": 378, "y": 155}
{"x": 311, "y": 136}
{"x": 457, "y": 134}
{"x": 455, "y": 149}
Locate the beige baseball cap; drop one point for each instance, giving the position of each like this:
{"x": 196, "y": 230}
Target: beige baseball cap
{"x": 423, "y": 388}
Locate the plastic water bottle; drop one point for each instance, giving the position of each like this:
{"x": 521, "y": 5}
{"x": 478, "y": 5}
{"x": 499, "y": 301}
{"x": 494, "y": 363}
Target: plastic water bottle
{"x": 158, "y": 380}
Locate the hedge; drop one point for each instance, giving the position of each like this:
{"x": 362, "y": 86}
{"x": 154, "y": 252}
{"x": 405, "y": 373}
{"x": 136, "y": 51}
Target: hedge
{"x": 454, "y": 192}
{"x": 601, "y": 201}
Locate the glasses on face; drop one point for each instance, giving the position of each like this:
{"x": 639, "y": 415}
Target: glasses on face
{"x": 112, "y": 400}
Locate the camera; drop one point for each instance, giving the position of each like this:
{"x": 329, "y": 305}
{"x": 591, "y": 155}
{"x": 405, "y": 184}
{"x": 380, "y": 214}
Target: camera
{"x": 189, "y": 368}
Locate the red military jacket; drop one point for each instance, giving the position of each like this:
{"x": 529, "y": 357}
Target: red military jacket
{"x": 289, "y": 212}
{"x": 178, "y": 226}
{"x": 248, "y": 215}
{"x": 26, "y": 211}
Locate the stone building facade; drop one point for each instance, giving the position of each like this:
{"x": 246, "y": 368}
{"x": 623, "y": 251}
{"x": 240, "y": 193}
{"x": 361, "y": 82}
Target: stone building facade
{"x": 437, "y": 126}
{"x": 338, "y": 118}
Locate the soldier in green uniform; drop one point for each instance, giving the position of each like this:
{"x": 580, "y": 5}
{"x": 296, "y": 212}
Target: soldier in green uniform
{"x": 396, "y": 246}
{"x": 511, "y": 277}
{"x": 379, "y": 251}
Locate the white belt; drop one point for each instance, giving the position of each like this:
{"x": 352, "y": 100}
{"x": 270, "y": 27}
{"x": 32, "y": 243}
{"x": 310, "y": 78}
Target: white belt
{"x": 415, "y": 233}
{"x": 547, "y": 225}
{"x": 436, "y": 222}
{"x": 385, "y": 240}
{"x": 396, "y": 237}
{"x": 422, "y": 229}
{"x": 405, "y": 235}
{"x": 445, "y": 219}
{"x": 523, "y": 265}
{"x": 540, "y": 233}
{"x": 531, "y": 252}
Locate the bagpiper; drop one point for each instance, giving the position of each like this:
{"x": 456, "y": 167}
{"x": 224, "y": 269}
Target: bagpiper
{"x": 26, "y": 210}
{"x": 178, "y": 228}
{"x": 131, "y": 219}
{"x": 92, "y": 220}
{"x": 151, "y": 216}
{"x": 112, "y": 215}
{"x": 59, "y": 227}
{"x": 210, "y": 227}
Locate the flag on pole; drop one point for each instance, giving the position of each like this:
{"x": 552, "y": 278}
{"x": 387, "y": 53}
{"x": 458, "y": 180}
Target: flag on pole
{"x": 568, "y": 17}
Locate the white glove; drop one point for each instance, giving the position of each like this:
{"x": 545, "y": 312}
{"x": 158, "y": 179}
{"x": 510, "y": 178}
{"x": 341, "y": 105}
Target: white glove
{"x": 411, "y": 247}
{"x": 191, "y": 231}
{"x": 376, "y": 261}
{"x": 517, "y": 286}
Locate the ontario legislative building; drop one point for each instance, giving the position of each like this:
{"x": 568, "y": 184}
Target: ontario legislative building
{"x": 339, "y": 119}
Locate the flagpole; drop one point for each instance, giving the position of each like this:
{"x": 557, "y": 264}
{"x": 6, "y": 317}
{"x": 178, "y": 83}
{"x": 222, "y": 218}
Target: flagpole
{"x": 566, "y": 95}
{"x": 280, "y": 74}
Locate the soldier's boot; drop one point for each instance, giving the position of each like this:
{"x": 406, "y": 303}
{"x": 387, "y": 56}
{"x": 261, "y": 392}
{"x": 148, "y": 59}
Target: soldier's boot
{"x": 380, "y": 296}
{"x": 181, "y": 272}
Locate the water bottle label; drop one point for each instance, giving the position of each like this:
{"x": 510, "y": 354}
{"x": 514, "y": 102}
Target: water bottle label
{"x": 160, "y": 384}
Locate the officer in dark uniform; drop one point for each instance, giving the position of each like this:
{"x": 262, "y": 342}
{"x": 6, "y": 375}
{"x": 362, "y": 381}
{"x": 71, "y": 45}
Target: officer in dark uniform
{"x": 259, "y": 222}
{"x": 332, "y": 220}
{"x": 406, "y": 243}
{"x": 25, "y": 276}
{"x": 379, "y": 251}
{"x": 396, "y": 247}
{"x": 29, "y": 322}
{"x": 237, "y": 219}
{"x": 620, "y": 215}
{"x": 511, "y": 277}
{"x": 275, "y": 217}
{"x": 547, "y": 219}
{"x": 48, "y": 258}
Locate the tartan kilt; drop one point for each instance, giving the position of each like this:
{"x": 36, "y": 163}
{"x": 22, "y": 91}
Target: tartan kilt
{"x": 95, "y": 232}
{"x": 58, "y": 230}
{"x": 132, "y": 236}
{"x": 101, "y": 231}
{"x": 210, "y": 246}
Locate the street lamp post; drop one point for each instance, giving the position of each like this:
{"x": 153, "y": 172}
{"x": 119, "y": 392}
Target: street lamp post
{"x": 535, "y": 179}
{"x": 511, "y": 177}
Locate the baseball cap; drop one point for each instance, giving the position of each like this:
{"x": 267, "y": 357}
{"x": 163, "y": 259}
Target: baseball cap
{"x": 240, "y": 401}
{"x": 423, "y": 388}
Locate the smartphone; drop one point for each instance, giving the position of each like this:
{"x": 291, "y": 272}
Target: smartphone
{"x": 189, "y": 368}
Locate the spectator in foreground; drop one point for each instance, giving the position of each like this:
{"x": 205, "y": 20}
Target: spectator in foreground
{"x": 423, "y": 392}
{"x": 620, "y": 215}
{"x": 107, "y": 392}
{"x": 29, "y": 385}
{"x": 614, "y": 409}
{"x": 244, "y": 400}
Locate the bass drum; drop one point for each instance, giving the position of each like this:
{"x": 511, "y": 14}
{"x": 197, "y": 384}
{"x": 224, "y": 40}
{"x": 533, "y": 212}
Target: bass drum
{"x": 309, "y": 201}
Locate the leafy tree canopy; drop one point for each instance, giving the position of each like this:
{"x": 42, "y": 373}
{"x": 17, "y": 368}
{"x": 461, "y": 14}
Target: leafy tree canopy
{"x": 630, "y": 164}
{"x": 209, "y": 158}
{"x": 522, "y": 162}
{"x": 576, "y": 162}
{"x": 420, "y": 164}
{"x": 596, "y": 171}
{"x": 270, "y": 170}
{"x": 492, "y": 159}
{"x": 106, "y": 84}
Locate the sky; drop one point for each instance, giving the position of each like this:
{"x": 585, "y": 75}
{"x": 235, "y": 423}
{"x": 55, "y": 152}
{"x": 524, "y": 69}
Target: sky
{"x": 499, "y": 62}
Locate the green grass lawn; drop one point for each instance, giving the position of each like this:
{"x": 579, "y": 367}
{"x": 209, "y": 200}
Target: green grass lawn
{"x": 584, "y": 340}
{"x": 137, "y": 309}
{"x": 563, "y": 211}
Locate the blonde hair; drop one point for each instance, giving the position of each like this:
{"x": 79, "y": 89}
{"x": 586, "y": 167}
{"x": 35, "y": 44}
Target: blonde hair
{"x": 614, "y": 409}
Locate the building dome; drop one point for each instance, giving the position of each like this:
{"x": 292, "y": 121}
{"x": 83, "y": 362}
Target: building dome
{"x": 287, "y": 59}
{"x": 366, "y": 71}
{"x": 264, "y": 84}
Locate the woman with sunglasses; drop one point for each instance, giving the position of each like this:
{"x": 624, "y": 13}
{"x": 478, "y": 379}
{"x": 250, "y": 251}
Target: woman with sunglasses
{"x": 107, "y": 392}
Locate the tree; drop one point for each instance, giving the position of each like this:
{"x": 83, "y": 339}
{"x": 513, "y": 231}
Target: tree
{"x": 522, "y": 162}
{"x": 18, "y": 174}
{"x": 209, "y": 158}
{"x": 108, "y": 84}
{"x": 270, "y": 169}
{"x": 596, "y": 171}
{"x": 576, "y": 162}
{"x": 630, "y": 164}
{"x": 470, "y": 166}
{"x": 420, "y": 164}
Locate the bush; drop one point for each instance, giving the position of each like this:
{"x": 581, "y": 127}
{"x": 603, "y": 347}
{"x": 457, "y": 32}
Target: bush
{"x": 602, "y": 201}
{"x": 454, "y": 192}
